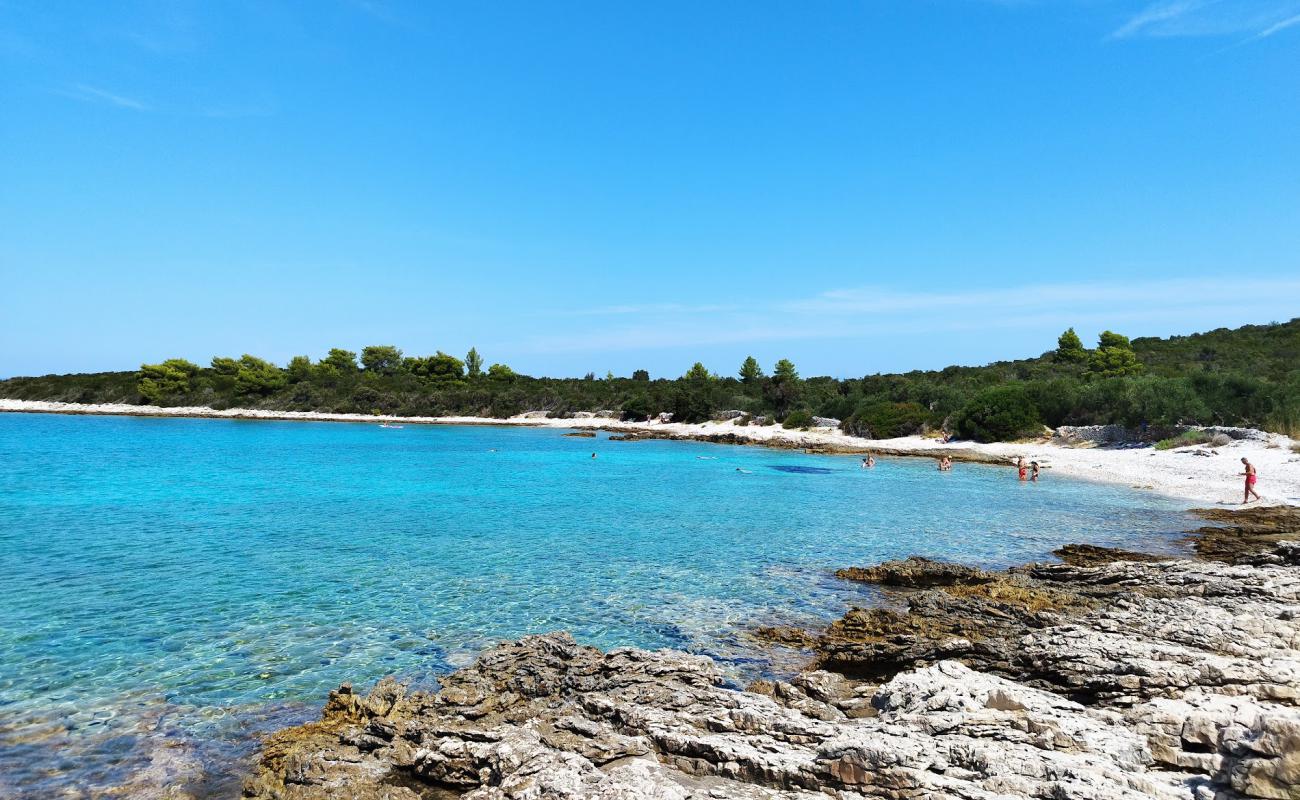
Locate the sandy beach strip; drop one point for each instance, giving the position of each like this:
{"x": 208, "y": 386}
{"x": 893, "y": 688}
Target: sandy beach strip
{"x": 1202, "y": 475}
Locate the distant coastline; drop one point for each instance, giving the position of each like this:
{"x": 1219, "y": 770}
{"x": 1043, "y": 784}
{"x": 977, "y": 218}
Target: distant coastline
{"x": 1202, "y": 475}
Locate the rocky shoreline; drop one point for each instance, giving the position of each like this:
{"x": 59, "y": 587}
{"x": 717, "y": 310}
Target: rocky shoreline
{"x": 1111, "y": 675}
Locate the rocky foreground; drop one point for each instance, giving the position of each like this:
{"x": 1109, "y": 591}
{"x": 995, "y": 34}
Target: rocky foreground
{"x": 1111, "y": 675}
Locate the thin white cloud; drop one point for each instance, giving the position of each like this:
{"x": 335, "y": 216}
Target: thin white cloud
{"x": 1156, "y": 17}
{"x": 92, "y": 94}
{"x": 1177, "y": 18}
{"x": 867, "y": 312}
{"x": 1166, "y": 293}
{"x": 1278, "y": 27}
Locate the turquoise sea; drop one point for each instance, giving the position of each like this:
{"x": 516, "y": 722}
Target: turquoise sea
{"x": 179, "y": 585}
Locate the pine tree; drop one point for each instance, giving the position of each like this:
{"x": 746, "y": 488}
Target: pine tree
{"x": 1113, "y": 358}
{"x": 473, "y": 363}
{"x": 698, "y": 372}
{"x": 750, "y": 371}
{"x": 1069, "y": 349}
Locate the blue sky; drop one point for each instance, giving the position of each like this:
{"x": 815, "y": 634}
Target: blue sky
{"x": 575, "y": 186}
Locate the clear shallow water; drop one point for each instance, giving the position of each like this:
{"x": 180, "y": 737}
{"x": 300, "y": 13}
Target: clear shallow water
{"x": 189, "y": 582}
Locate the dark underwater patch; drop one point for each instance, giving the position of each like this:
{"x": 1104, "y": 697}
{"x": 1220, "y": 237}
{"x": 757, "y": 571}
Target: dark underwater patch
{"x": 801, "y": 470}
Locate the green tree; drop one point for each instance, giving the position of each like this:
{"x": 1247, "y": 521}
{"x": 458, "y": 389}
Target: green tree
{"x": 697, "y": 372}
{"x": 299, "y": 369}
{"x": 225, "y": 366}
{"x": 343, "y": 361}
{"x": 782, "y": 390}
{"x": 750, "y": 371}
{"x": 1069, "y": 349}
{"x": 382, "y": 359}
{"x": 171, "y": 377}
{"x": 1113, "y": 358}
{"x": 641, "y": 375}
{"x": 473, "y": 363}
{"x": 1112, "y": 339}
{"x": 441, "y": 366}
{"x": 500, "y": 371}
{"x": 256, "y": 376}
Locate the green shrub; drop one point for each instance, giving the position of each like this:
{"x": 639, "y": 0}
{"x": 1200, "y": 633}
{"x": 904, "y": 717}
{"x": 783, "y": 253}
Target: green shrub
{"x": 797, "y": 419}
{"x": 1187, "y": 439}
{"x": 171, "y": 377}
{"x": 999, "y": 414}
{"x": 885, "y": 420}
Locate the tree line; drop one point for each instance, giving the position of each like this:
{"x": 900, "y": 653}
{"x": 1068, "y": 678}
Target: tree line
{"x": 1248, "y": 376}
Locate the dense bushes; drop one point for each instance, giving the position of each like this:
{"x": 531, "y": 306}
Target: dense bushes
{"x": 886, "y": 420}
{"x": 1249, "y": 376}
{"x": 999, "y": 414}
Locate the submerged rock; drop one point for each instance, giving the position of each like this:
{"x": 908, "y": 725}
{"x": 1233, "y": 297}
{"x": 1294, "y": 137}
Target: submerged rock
{"x": 1090, "y": 555}
{"x": 915, "y": 572}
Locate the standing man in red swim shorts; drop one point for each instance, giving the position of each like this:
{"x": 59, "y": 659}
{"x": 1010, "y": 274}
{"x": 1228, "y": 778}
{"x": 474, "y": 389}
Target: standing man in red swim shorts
{"x": 1250, "y": 482}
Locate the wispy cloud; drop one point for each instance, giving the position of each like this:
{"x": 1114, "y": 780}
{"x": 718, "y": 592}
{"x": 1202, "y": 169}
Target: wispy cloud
{"x": 1278, "y": 27}
{"x": 1174, "y": 18}
{"x": 1157, "y": 17}
{"x": 874, "y": 312}
{"x": 93, "y": 94}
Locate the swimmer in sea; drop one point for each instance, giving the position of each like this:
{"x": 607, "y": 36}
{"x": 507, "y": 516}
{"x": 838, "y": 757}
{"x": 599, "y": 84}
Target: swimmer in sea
{"x": 1020, "y": 466}
{"x": 1033, "y": 473}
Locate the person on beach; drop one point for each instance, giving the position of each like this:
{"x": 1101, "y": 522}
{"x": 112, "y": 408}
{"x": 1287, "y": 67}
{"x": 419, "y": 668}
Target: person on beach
{"x": 1033, "y": 473}
{"x": 1020, "y": 467}
{"x": 1251, "y": 476}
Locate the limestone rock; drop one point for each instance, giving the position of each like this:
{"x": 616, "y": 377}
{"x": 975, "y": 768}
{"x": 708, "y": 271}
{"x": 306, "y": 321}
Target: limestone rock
{"x": 1107, "y": 678}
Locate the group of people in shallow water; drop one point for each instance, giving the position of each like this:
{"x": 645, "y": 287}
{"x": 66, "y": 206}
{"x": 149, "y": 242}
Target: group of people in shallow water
{"x": 945, "y": 465}
{"x": 1030, "y": 472}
